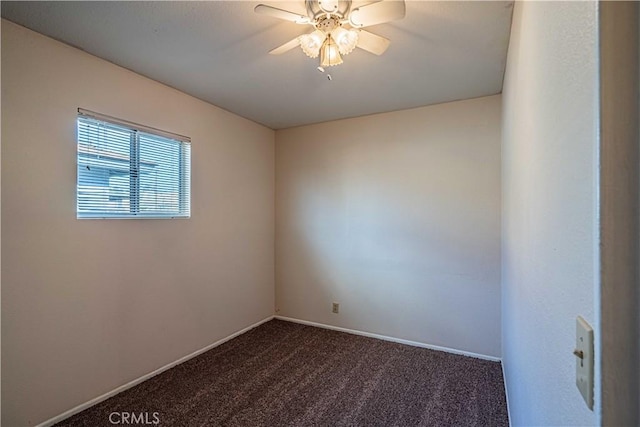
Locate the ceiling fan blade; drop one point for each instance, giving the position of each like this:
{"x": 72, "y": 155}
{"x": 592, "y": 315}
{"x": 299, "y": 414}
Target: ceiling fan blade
{"x": 377, "y": 13}
{"x": 291, "y": 44}
{"x": 372, "y": 42}
{"x": 281, "y": 14}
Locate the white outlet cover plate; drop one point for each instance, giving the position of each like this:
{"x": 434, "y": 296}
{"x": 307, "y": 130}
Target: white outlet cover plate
{"x": 584, "y": 366}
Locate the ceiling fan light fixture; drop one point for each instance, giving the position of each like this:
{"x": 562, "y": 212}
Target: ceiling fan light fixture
{"x": 330, "y": 54}
{"x": 337, "y": 27}
{"x": 347, "y": 40}
{"x": 311, "y": 43}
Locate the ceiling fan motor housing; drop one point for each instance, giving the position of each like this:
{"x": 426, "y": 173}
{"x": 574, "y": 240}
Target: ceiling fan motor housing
{"x": 338, "y": 8}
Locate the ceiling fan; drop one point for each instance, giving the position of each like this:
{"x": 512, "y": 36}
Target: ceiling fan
{"x": 338, "y": 29}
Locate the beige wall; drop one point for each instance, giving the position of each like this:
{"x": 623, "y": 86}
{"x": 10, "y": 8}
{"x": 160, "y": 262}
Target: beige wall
{"x": 88, "y": 305}
{"x": 550, "y": 220}
{"x": 395, "y": 216}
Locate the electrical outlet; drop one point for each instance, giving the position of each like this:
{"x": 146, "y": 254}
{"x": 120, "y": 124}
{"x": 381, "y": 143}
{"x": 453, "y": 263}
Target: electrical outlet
{"x": 335, "y": 308}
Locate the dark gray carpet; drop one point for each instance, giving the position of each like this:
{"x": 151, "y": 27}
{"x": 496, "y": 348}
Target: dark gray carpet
{"x": 286, "y": 374}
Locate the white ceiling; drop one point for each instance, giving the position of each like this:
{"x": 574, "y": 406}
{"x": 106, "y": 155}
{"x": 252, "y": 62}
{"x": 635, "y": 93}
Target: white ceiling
{"x": 217, "y": 51}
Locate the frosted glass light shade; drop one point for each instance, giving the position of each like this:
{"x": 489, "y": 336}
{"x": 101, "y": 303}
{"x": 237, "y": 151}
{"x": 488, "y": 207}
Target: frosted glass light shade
{"x": 345, "y": 39}
{"x": 311, "y": 43}
{"x": 330, "y": 54}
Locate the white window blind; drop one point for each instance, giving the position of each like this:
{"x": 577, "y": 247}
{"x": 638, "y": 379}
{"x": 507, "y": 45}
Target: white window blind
{"x": 131, "y": 171}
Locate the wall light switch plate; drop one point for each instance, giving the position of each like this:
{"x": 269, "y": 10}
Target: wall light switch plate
{"x": 584, "y": 360}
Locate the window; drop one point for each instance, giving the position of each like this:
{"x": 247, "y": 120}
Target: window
{"x": 130, "y": 171}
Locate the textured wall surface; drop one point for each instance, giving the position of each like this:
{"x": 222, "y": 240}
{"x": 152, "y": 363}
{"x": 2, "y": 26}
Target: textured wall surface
{"x": 395, "y": 216}
{"x": 88, "y": 305}
{"x": 549, "y": 246}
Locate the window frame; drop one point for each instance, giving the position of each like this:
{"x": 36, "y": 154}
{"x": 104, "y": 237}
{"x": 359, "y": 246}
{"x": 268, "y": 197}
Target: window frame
{"x": 135, "y": 192}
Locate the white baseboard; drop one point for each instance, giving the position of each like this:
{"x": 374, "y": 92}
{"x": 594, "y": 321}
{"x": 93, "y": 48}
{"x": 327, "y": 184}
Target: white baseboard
{"x": 506, "y": 393}
{"x": 145, "y": 377}
{"x": 392, "y": 339}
